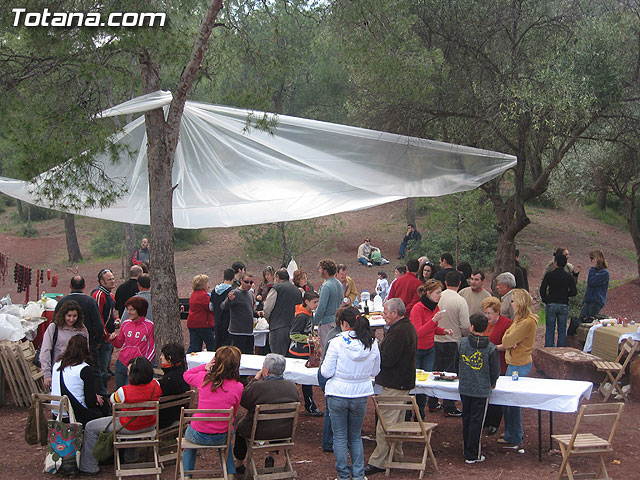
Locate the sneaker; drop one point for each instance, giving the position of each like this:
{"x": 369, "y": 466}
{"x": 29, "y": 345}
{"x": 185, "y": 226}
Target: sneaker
{"x": 436, "y": 408}
{"x": 491, "y": 430}
{"x": 453, "y": 413}
{"x": 372, "y": 470}
{"x": 477, "y": 460}
{"x": 504, "y": 442}
{"x": 384, "y": 261}
{"x": 400, "y": 257}
{"x": 369, "y": 264}
{"x": 314, "y": 412}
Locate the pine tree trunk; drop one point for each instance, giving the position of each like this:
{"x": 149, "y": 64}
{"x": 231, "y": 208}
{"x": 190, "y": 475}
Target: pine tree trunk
{"x": 130, "y": 242}
{"x": 73, "y": 248}
{"x": 162, "y": 140}
{"x": 411, "y": 211}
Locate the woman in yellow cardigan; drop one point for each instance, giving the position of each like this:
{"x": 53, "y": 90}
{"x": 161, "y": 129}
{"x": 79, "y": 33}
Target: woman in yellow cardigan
{"x": 517, "y": 343}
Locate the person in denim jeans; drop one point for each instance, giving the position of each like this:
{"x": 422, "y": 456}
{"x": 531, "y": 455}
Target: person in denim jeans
{"x": 218, "y": 384}
{"x": 556, "y": 288}
{"x": 352, "y": 359}
{"x": 517, "y": 343}
{"x": 327, "y": 432}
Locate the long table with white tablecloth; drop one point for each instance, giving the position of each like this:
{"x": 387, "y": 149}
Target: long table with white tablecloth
{"x": 528, "y": 392}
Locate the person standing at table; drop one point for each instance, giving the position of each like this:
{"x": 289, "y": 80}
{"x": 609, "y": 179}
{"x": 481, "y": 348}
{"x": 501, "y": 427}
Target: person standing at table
{"x": 498, "y": 324}
{"x": 557, "y": 286}
{"x": 279, "y": 310}
{"x": 397, "y": 375}
{"x": 240, "y": 304}
{"x": 597, "y": 285}
{"x": 478, "y": 371}
{"x": 505, "y": 283}
{"x": 406, "y": 287}
{"x": 221, "y": 317}
{"x": 330, "y": 299}
{"x": 300, "y": 333}
{"x": 475, "y": 294}
{"x": 454, "y": 318}
{"x": 352, "y": 359}
{"x": 517, "y": 342}
{"x": 200, "y": 318}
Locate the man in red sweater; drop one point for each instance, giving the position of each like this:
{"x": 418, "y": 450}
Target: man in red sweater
{"x": 406, "y": 287}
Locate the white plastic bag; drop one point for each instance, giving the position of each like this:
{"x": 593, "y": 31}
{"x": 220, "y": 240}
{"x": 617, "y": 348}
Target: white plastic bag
{"x": 262, "y": 324}
{"x": 291, "y": 268}
{"x": 33, "y": 309}
{"x": 10, "y": 328}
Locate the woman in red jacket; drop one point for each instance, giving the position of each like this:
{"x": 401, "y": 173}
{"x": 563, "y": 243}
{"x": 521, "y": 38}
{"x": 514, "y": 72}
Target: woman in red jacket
{"x": 498, "y": 324}
{"x": 424, "y": 317}
{"x": 200, "y": 319}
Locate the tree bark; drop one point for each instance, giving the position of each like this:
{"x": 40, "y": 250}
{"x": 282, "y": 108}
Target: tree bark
{"x": 411, "y": 211}
{"x": 162, "y": 140}
{"x": 130, "y": 242}
{"x": 602, "y": 199}
{"x": 283, "y": 243}
{"x": 73, "y": 248}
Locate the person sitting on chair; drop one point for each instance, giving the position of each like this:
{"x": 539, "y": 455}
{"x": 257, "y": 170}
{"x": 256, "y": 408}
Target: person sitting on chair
{"x": 268, "y": 386}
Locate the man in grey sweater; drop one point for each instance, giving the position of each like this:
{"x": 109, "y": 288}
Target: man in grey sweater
{"x": 241, "y": 305}
{"x": 330, "y": 298}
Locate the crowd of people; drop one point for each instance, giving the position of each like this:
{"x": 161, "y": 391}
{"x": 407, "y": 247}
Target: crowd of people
{"x": 438, "y": 317}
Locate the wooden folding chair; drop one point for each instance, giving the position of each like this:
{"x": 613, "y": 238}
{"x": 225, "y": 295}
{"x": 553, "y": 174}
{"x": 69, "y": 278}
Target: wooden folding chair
{"x": 188, "y": 415}
{"x": 264, "y": 414}
{"x": 49, "y": 403}
{"x": 168, "y": 450}
{"x": 127, "y": 439}
{"x": 578, "y": 444}
{"x": 609, "y": 383}
{"x": 403, "y": 431}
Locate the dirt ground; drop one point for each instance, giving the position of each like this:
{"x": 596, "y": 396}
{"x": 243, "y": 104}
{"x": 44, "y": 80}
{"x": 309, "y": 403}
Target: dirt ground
{"x": 384, "y": 224}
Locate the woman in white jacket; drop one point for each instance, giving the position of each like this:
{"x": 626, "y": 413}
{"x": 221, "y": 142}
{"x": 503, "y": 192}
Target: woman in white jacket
{"x": 351, "y": 361}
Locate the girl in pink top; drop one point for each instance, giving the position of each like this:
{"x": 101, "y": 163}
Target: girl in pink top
{"x": 218, "y": 387}
{"x": 135, "y": 337}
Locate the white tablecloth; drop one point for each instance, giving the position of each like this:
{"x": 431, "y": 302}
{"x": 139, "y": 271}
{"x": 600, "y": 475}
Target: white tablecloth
{"x": 528, "y": 392}
{"x": 250, "y": 364}
{"x": 539, "y": 393}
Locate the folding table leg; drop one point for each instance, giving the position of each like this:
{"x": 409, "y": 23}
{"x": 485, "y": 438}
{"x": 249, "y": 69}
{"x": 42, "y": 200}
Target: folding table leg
{"x": 539, "y": 436}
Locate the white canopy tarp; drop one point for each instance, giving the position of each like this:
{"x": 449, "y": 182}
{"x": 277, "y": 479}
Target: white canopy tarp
{"x": 228, "y": 175}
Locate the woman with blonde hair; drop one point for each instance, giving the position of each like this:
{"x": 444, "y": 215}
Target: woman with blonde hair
{"x": 200, "y": 319}
{"x": 597, "y": 285}
{"x": 218, "y": 384}
{"x": 517, "y": 343}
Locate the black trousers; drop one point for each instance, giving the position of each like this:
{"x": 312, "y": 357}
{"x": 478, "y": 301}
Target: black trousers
{"x": 445, "y": 360}
{"x": 243, "y": 342}
{"x": 494, "y": 416}
{"x": 474, "y": 410}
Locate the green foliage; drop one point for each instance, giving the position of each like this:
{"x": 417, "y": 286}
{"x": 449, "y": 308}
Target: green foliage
{"x": 109, "y": 240}
{"x": 289, "y": 239}
{"x": 610, "y": 216}
{"x": 467, "y": 216}
{"x": 34, "y": 213}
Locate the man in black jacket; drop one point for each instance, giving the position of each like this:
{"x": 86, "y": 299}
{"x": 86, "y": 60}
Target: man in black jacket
{"x": 128, "y": 289}
{"x": 221, "y": 317}
{"x": 397, "y": 375}
{"x": 557, "y": 286}
{"x": 279, "y": 310}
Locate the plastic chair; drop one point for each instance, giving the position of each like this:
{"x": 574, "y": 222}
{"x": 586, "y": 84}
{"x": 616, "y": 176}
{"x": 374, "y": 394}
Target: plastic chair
{"x": 609, "y": 383}
{"x": 580, "y": 444}
{"x": 264, "y": 414}
{"x": 403, "y": 431}
{"x": 127, "y": 439}
{"x": 205, "y": 415}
